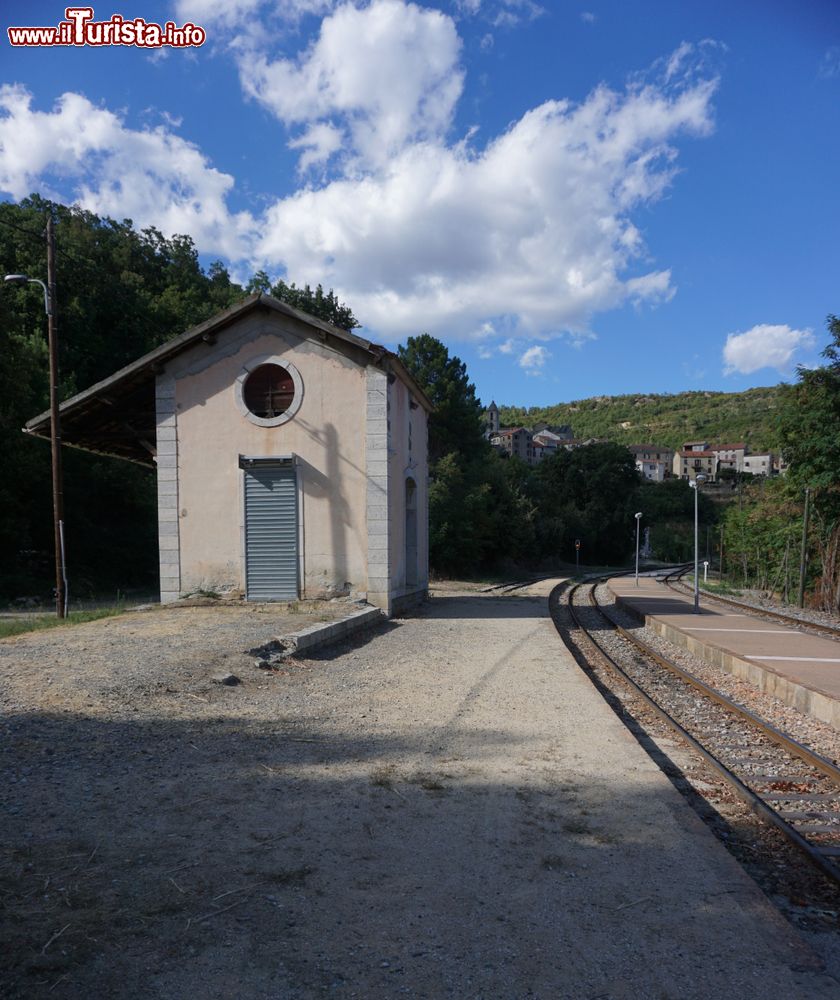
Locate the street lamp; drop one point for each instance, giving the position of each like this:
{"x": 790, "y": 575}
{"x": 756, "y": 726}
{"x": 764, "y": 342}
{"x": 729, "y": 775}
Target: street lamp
{"x": 23, "y": 279}
{"x": 55, "y": 428}
{"x": 638, "y": 522}
{"x": 695, "y": 484}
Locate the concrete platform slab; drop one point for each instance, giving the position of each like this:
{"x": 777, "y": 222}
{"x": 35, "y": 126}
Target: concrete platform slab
{"x": 799, "y": 669}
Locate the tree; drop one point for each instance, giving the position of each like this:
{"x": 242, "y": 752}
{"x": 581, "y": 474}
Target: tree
{"x": 588, "y": 493}
{"x": 479, "y": 510}
{"x": 809, "y": 421}
{"x": 809, "y": 433}
{"x": 260, "y": 282}
{"x": 761, "y": 536}
{"x": 456, "y": 425}
{"x": 120, "y": 293}
{"x": 324, "y": 306}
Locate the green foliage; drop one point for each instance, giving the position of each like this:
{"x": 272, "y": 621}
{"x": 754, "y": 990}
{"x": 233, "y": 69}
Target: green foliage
{"x": 669, "y": 511}
{"x": 761, "y": 537}
{"x": 479, "y": 513}
{"x": 665, "y": 419}
{"x": 762, "y": 532}
{"x": 809, "y": 422}
{"x": 591, "y": 494}
{"x": 456, "y": 425}
{"x": 809, "y": 431}
{"x": 120, "y": 293}
{"x": 317, "y": 303}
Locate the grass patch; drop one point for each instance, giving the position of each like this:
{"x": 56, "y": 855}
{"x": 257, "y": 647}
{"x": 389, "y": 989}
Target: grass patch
{"x": 383, "y": 777}
{"x": 17, "y": 626}
{"x": 716, "y": 586}
{"x": 429, "y": 782}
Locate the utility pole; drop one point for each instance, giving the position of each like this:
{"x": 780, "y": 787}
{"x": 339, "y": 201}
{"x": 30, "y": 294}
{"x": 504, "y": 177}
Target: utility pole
{"x": 55, "y": 428}
{"x": 803, "y": 555}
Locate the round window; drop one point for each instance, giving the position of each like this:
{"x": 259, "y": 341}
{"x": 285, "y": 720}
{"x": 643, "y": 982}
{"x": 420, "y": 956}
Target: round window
{"x": 268, "y": 391}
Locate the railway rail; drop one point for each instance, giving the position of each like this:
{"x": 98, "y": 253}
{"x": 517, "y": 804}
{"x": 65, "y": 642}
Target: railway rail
{"x": 674, "y": 581}
{"x": 780, "y": 779}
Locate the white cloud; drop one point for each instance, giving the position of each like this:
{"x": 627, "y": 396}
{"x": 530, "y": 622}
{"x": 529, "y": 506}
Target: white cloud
{"x": 319, "y": 142}
{"x": 532, "y": 232}
{"x": 237, "y": 13}
{"x": 830, "y": 64}
{"x": 486, "y": 351}
{"x": 535, "y": 229}
{"x": 534, "y": 359}
{"x": 764, "y": 346}
{"x": 502, "y": 13}
{"x": 588, "y": 17}
{"x": 151, "y": 176}
{"x": 510, "y": 13}
{"x": 390, "y": 71}
{"x": 677, "y": 60}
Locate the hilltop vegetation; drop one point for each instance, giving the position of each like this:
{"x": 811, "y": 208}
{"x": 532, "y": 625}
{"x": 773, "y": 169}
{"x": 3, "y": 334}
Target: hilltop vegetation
{"x": 665, "y": 419}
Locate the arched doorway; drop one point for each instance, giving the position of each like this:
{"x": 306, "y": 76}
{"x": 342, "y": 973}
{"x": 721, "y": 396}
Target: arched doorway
{"x": 411, "y": 574}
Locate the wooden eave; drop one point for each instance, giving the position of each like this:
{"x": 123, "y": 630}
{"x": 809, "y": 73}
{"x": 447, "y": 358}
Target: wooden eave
{"x": 117, "y": 415}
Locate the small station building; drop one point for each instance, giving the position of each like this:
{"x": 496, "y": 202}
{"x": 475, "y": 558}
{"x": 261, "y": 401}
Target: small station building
{"x": 291, "y": 457}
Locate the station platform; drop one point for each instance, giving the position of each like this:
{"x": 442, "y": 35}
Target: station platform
{"x": 799, "y": 669}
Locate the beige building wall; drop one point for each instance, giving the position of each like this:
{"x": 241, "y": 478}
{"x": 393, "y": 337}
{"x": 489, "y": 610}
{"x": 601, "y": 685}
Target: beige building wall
{"x": 326, "y": 434}
{"x": 407, "y": 461}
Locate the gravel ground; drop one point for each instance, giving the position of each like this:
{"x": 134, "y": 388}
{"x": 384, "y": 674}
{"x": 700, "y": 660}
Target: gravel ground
{"x": 444, "y": 808}
{"x": 113, "y": 664}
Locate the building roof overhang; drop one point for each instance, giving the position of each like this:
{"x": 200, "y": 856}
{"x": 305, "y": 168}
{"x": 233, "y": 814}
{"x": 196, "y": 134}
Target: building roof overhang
{"x": 117, "y": 415}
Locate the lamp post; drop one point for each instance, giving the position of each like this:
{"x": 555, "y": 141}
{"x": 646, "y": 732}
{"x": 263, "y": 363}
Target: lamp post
{"x": 695, "y": 484}
{"x": 55, "y": 426}
{"x": 638, "y": 522}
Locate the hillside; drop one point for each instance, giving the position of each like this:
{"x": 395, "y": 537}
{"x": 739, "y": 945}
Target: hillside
{"x": 669, "y": 420}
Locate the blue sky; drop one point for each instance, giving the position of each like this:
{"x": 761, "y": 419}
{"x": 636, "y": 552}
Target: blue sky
{"x": 579, "y": 198}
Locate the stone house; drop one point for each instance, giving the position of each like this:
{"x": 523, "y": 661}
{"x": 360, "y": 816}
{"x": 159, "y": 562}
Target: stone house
{"x": 654, "y": 470}
{"x": 291, "y": 457}
{"x": 653, "y": 461}
{"x": 688, "y": 462}
{"x": 731, "y": 456}
{"x": 516, "y": 441}
{"x": 759, "y": 465}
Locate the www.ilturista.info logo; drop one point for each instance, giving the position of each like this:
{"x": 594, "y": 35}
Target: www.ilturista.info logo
{"x": 79, "y": 28}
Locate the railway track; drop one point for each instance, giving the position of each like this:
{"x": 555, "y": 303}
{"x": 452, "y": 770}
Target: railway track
{"x": 781, "y": 780}
{"x": 506, "y": 588}
{"x": 674, "y": 581}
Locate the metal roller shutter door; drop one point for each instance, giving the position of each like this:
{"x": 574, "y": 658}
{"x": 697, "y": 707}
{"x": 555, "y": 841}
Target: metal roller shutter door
{"x": 271, "y": 532}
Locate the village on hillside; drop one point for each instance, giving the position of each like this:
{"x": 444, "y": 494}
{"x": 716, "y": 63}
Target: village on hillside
{"x": 654, "y": 462}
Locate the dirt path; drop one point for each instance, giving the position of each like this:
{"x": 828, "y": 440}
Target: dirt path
{"x": 445, "y": 810}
